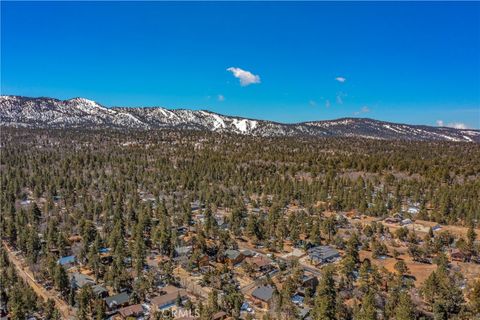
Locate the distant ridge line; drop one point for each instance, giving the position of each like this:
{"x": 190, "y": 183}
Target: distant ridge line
{"x": 46, "y": 112}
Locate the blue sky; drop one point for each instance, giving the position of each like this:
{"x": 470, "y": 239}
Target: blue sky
{"x": 407, "y": 62}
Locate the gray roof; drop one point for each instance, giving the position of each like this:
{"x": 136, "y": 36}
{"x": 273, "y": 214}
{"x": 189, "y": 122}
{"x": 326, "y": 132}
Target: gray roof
{"x": 183, "y": 250}
{"x": 98, "y": 289}
{"x": 248, "y": 253}
{"x": 323, "y": 253}
{"x": 79, "y": 280}
{"x": 307, "y": 277}
{"x": 303, "y": 313}
{"x": 232, "y": 254}
{"x": 118, "y": 299}
{"x": 263, "y": 293}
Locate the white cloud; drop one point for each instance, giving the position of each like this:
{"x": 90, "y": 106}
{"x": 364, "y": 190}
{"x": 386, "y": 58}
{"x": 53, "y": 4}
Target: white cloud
{"x": 221, "y": 97}
{"x": 246, "y": 77}
{"x": 341, "y": 79}
{"x": 455, "y": 125}
{"x": 340, "y": 96}
{"x": 364, "y": 109}
{"x": 327, "y": 104}
{"x": 312, "y": 103}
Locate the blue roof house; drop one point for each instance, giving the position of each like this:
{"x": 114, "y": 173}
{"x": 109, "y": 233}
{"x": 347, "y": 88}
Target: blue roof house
{"x": 66, "y": 261}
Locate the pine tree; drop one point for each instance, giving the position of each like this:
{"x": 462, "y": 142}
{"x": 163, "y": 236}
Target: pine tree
{"x": 367, "y": 310}
{"x": 474, "y": 298}
{"x": 16, "y": 307}
{"x": 405, "y": 309}
{"x": 401, "y": 267}
{"x": 61, "y": 279}
{"x": 325, "y": 300}
{"x": 471, "y": 237}
{"x": 100, "y": 312}
{"x": 35, "y": 214}
{"x": 85, "y": 297}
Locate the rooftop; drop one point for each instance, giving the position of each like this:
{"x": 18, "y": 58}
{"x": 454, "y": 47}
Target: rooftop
{"x": 323, "y": 253}
{"x": 263, "y": 293}
{"x": 167, "y": 299}
{"x": 132, "y": 310}
{"x": 232, "y": 254}
{"x": 66, "y": 260}
{"x": 79, "y": 280}
{"x": 117, "y": 300}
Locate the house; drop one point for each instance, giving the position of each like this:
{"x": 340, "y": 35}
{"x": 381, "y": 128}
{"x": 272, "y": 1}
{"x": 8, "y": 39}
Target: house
{"x": 168, "y": 300}
{"x": 322, "y": 254}
{"x": 248, "y": 253}
{"x": 75, "y": 238}
{"x": 256, "y": 210}
{"x": 203, "y": 260}
{"x": 436, "y": 227}
{"x": 398, "y": 216}
{"x": 233, "y": 257}
{"x": 303, "y": 312}
{"x": 103, "y": 250}
{"x": 105, "y": 255}
{"x": 132, "y": 311}
{"x": 116, "y": 301}
{"x": 260, "y": 264}
{"x": 196, "y": 205}
{"x": 67, "y": 261}
{"x": 391, "y": 220}
{"x": 221, "y": 221}
{"x": 457, "y": 255}
{"x": 79, "y": 280}
{"x": 413, "y": 210}
{"x": 263, "y": 295}
{"x": 182, "y": 230}
{"x": 99, "y": 291}
{"x": 308, "y": 282}
{"x": 406, "y": 222}
{"x": 183, "y": 251}
{"x": 298, "y": 299}
{"x": 246, "y": 307}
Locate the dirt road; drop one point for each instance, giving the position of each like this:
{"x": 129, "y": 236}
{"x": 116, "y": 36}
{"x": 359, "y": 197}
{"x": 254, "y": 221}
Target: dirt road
{"x": 65, "y": 310}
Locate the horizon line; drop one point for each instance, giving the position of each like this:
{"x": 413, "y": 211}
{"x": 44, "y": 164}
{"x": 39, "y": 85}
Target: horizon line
{"x": 235, "y": 116}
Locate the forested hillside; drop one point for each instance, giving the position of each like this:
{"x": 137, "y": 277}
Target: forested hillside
{"x": 112, "y": 202}
{"x": 373, "y": 177}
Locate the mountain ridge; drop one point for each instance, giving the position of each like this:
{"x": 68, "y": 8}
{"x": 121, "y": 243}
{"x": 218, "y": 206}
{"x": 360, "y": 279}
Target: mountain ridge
{"x": 46, "y": 112}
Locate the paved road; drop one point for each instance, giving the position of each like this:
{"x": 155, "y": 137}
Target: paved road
{"x": 65, "y": 310}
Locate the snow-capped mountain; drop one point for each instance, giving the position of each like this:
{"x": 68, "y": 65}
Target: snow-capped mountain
{"x": 83, "y": 113}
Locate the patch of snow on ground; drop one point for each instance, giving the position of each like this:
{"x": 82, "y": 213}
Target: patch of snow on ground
{"x": 218, "y": 122}
{"x": 244, "y": 125}
{"x": 392, "y": 128}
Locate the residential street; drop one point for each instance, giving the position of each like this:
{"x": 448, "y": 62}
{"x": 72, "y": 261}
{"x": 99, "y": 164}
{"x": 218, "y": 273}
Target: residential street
{"x": 65, "y": 310}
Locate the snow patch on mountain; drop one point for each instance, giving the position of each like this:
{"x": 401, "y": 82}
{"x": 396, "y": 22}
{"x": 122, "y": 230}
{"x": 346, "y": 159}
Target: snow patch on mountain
{"x": 244, "y": 125}
{"x": 83, "y": 113}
